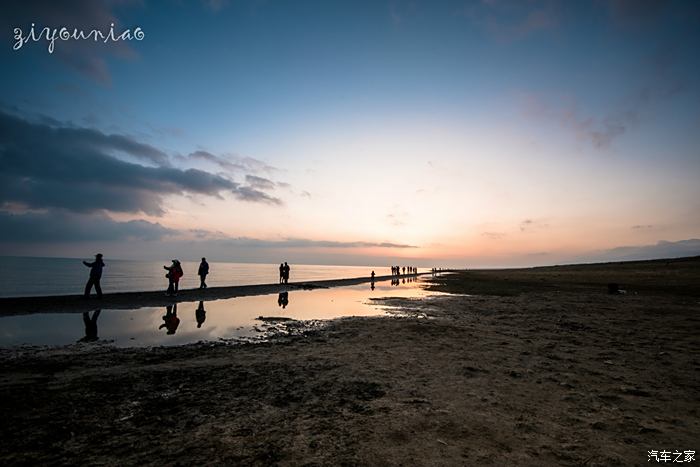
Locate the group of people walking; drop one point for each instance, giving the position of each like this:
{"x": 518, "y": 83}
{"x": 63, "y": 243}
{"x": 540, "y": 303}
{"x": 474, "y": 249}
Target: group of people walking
{"x": 399, "y": 270}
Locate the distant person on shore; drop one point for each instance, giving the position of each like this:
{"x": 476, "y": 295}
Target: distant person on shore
{"x": 404, "y": 270}
{"x": 90, "y": 326}
{"x": 202, "y": 273}
{"x": 372, "y": 275}
{"x": 171, "y": 321}
{"x": 95, "y": 276}
{"x": 281, "y": 273}
{"x": 286, "y": 272}
{"x": 200, "y": 314}
{"x": 283, "y": 299}
{"x": 174, "y": 274}
{"x": 371, "y": 286}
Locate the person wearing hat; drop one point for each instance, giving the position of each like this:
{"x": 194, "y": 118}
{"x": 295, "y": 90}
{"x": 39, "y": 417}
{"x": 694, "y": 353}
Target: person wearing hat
{"x": 95, "y": 276}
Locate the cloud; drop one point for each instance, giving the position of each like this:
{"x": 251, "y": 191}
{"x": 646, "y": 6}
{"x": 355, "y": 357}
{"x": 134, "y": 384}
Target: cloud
{"x": 634, "y": 11}
{"x": 512, "y": 20}
{"x": 642, "y": 227}
{"x": 229, "y": 162}
{"x": 530, "y": 224}
{"x": 68, "y": 233}
{"x": 215, "y": 5}
{"x": 49, "y": 165}
{"x": 662, "y": 249}
{"x": 87, "y": 57}
{"x": 661, "y": 79}
{"x": 60, "y": 227}
{"x": 493, "y": 235}
{"x": 259, "y": 182}
{"x": 301, "y": 243}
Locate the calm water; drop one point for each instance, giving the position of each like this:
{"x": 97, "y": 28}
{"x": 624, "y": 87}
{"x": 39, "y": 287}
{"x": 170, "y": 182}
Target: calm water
{"x": 21, "y": 276}
{"x": 233, "y": 318}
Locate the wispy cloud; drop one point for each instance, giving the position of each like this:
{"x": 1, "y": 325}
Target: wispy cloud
{"x": 493, "y": 235}
{"x": 260, "y": 182}
{"x": 659, "y": 82}
{"x": 512, "y": 20}
{"x": 532, "y": 224}
{"x": 228, "y": 162}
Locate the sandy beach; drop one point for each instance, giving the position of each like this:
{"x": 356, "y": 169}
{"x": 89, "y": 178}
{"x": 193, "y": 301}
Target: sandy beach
{"x": 533, "y": 367}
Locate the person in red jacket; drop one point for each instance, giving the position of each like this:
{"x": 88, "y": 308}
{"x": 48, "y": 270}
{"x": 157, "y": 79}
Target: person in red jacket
{"x": 174, "y": 274}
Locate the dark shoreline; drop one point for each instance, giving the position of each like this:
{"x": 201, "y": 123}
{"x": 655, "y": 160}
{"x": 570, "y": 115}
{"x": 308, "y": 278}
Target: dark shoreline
{"x": 76, "y": 303}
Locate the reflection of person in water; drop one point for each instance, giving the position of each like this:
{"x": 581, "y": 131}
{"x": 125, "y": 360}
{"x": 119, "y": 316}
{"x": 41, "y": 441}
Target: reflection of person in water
{"x": 200, "y": 314}
{"x": 90, "y": 326}
{"x": 283, "y": 299}
{"x": 171, "y": 320}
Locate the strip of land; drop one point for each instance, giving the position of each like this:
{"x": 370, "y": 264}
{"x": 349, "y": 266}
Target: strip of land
{"x": 129, "y": 300}
{"x": 518, "y": 367}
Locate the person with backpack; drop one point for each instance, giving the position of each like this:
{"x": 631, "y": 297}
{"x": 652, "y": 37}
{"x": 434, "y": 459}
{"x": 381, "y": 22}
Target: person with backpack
{"x": 174, "y": 274}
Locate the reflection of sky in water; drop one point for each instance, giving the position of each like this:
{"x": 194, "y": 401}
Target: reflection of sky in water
{"x": 227, "y": 319}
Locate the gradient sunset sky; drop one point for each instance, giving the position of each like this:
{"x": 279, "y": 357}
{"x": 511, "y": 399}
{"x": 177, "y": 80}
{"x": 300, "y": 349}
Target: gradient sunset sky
{"x": 478, "y": 133}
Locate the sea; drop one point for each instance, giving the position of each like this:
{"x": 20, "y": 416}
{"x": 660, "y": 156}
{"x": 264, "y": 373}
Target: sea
{"x": 31, "y": 276}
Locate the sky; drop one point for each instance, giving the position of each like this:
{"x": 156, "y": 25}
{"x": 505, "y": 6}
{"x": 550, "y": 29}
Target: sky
{"x": 456, "y": 134}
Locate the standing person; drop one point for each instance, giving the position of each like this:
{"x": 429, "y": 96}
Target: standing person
{"x": 404, "y": 270}
{"x": 95, "y": 276}
{"x": 281, "y": 273}
{"x": 178, "y": 274}
{"x": 203, "y": 271}
{"x": 286, "y": 272}
{"x": 174, "y": 274}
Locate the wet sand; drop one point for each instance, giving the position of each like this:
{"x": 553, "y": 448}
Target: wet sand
{"x": 543, "y": 367}
{"x": 127, "y": 300}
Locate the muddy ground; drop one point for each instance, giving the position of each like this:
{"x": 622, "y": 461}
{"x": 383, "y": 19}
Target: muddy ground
{"x": 541, "y": 367}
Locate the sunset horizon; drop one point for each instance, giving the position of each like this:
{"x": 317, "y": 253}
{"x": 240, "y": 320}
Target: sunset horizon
{"x": 485, "y": 134}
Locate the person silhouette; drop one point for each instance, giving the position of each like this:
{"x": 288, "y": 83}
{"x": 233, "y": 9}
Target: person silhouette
{"x": 200, "y": 314}
{"x": 95, "y": 276}
{"x": 174, "y": 274}
{"x": 171, "y": 321}
{"x": 281, "y": 273}
{"x": 283, "y": 299}
{"x": 90, "y": 326}
{"x": 202, "y": 273}
{"x": 286, "y": 273}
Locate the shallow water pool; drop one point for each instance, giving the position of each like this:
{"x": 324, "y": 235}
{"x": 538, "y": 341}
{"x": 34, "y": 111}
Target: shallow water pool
{"x": 188, "y": 322}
